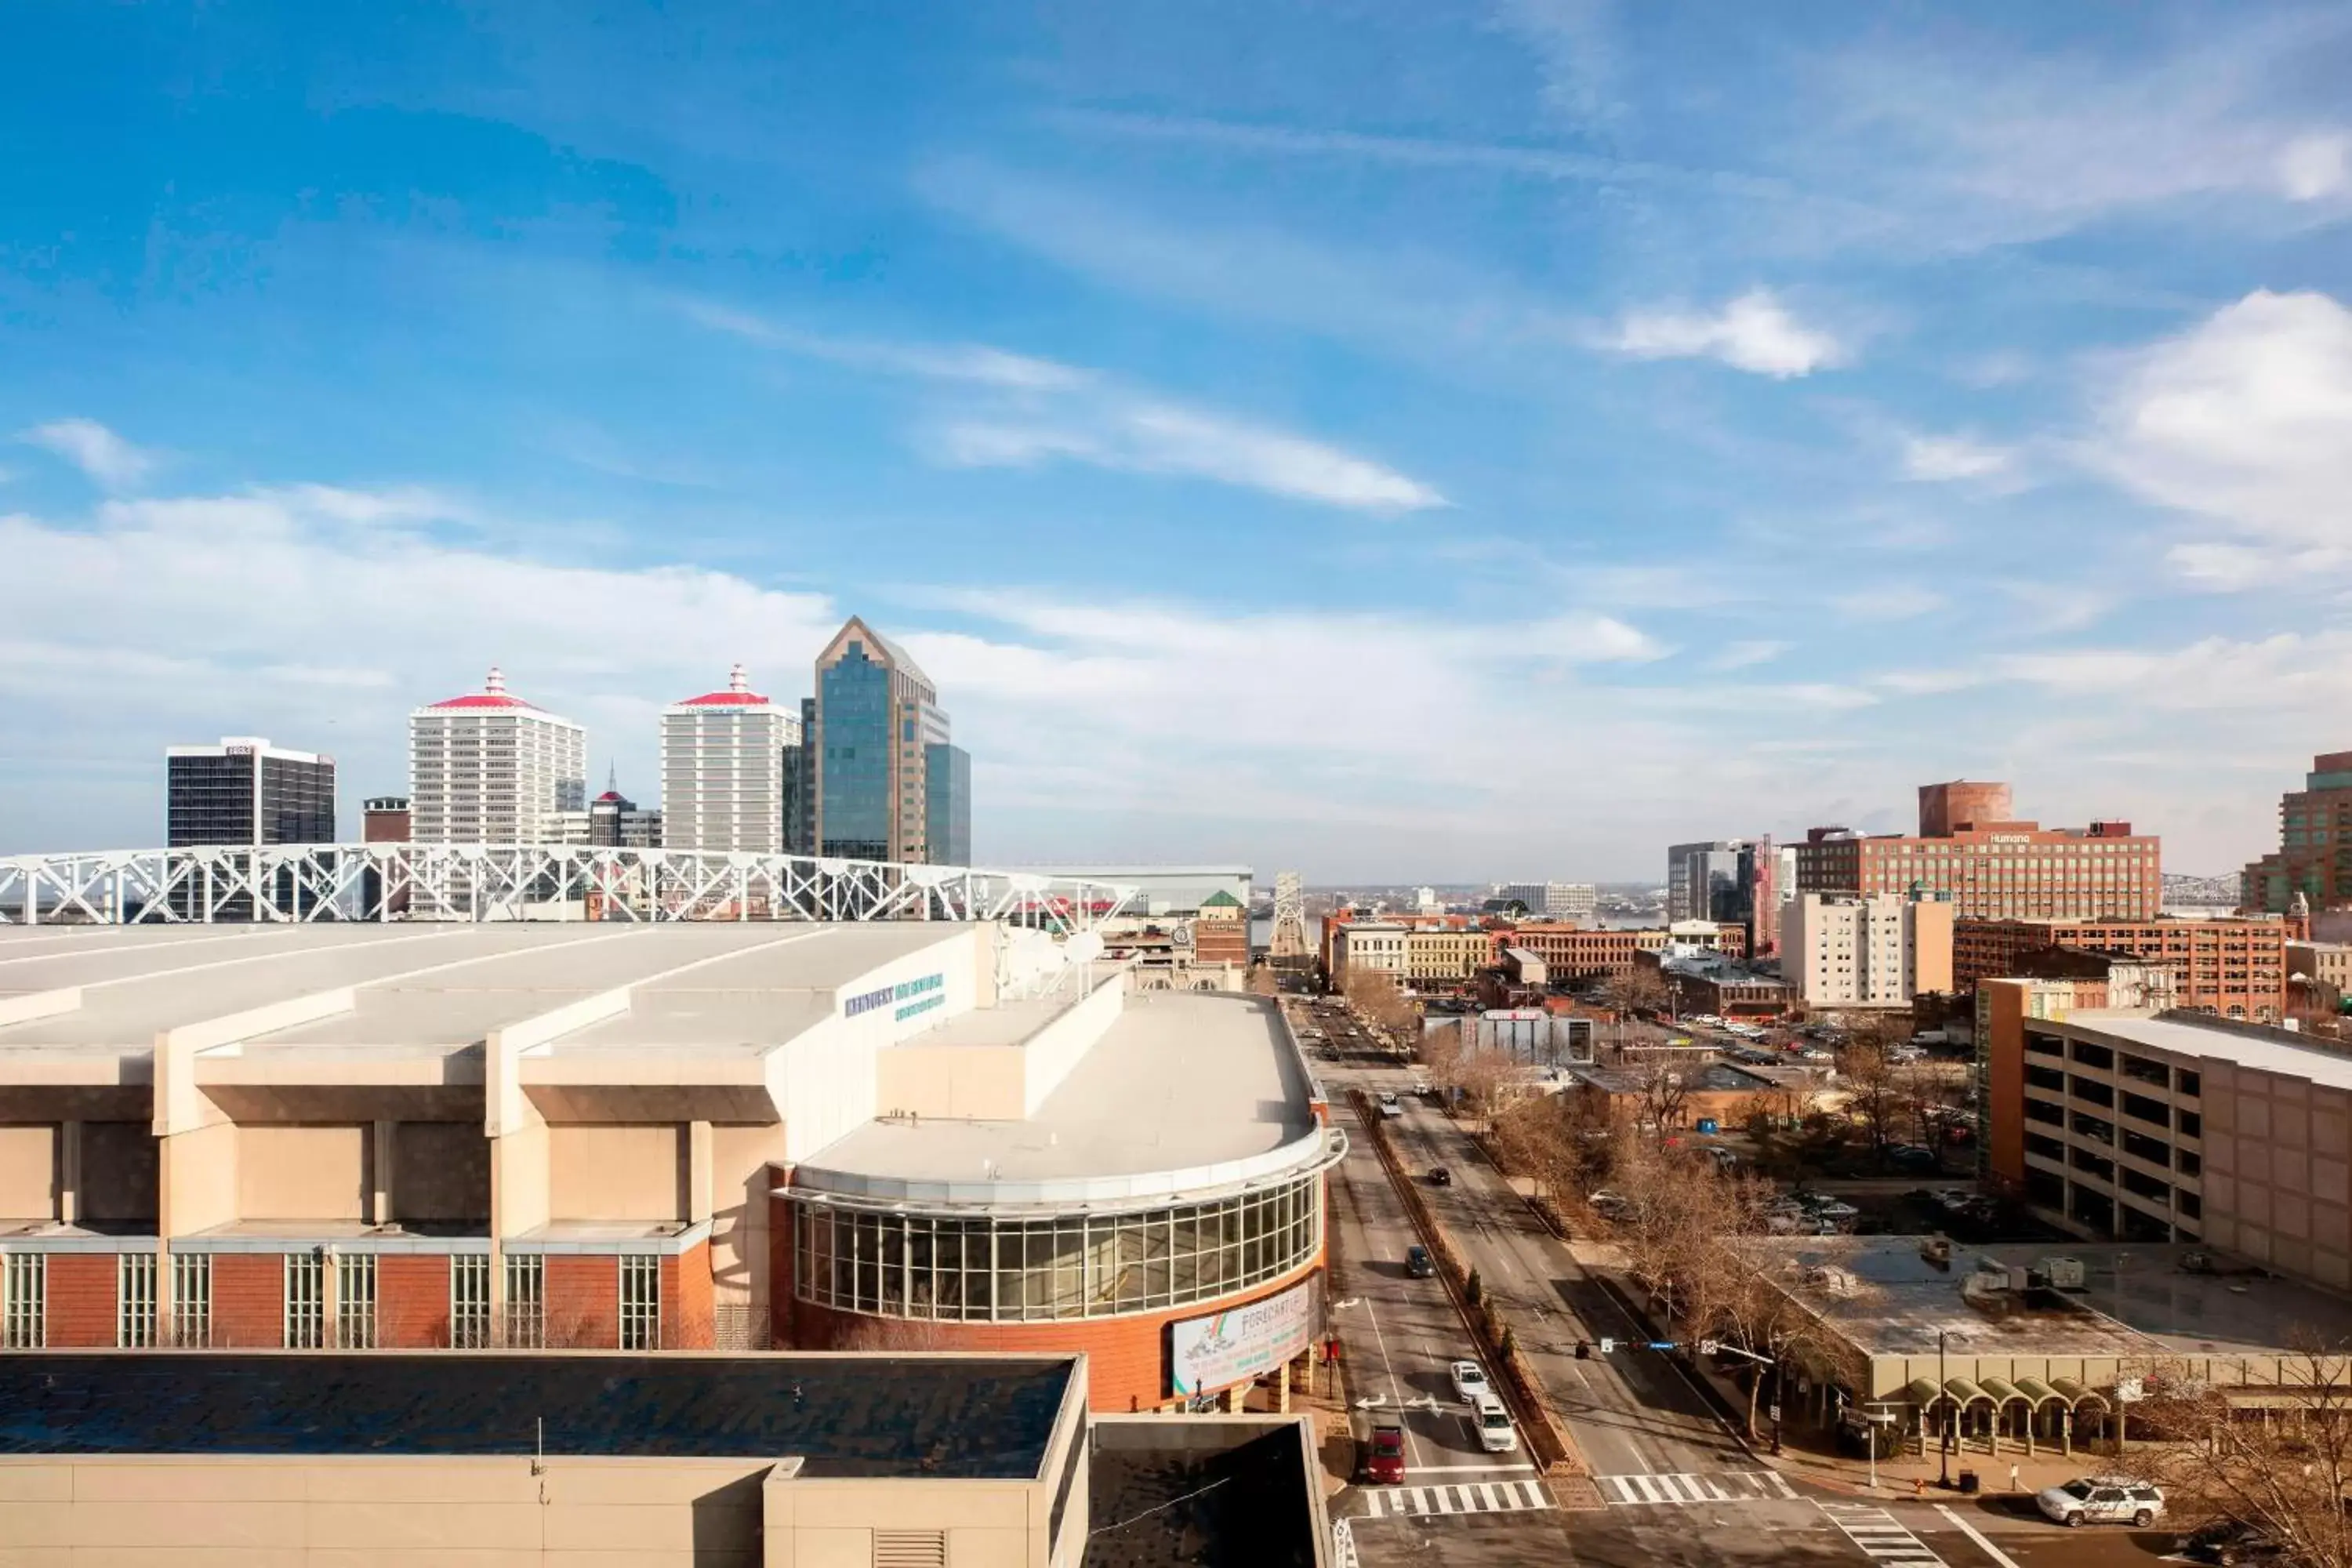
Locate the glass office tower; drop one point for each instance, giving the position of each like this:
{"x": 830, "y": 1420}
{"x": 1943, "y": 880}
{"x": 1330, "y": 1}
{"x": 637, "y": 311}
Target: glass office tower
{"x": 874, "y": 724}
{"x": 947, "y": 803}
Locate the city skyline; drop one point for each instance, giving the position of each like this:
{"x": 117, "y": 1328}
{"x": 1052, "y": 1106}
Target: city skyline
{"x": 1577, "y": 441}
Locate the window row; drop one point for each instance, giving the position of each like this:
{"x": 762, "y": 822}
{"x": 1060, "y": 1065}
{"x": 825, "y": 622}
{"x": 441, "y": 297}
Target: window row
{"x": 1084, "y": 1265}
{"x": 307, "y": 1321}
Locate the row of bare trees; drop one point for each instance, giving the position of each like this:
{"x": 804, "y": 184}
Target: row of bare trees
{"x": 1691, "y": 1234}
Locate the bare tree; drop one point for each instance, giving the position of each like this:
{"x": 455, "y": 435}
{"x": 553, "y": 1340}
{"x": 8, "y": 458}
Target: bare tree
{"x": 1635, "y": 990}
{"x": 2284, "y": 1469}
{"x": 1661, "y": 1094}
{"x": 1263, "y": 981}
{"x": 1379, "y": 998}
{"x": 1873, "y": 1095}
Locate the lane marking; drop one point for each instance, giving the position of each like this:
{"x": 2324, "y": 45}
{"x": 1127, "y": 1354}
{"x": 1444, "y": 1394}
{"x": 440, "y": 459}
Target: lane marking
{"x": 1882, "y": 1537}
{"x": 1970, "y": 1531}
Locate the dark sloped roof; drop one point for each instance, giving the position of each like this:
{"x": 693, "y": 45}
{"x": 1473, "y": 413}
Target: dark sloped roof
{"x": 956, "y": 1417}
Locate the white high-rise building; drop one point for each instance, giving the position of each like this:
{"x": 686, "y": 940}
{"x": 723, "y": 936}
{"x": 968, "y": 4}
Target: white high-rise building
{"x": 489, "y": 768}
{"x": 1878, "y": 951}
{"x": 728, "y": 770}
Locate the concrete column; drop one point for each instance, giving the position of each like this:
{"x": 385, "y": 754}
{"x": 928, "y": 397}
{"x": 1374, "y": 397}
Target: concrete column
{"x": 699, "y": 1196}
{"x": 69, "y": 1173}
{"x": 383, "y": 1145}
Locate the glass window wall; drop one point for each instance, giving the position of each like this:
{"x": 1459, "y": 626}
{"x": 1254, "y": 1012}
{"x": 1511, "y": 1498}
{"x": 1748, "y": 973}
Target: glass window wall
{"x": 1008, "y": 1270}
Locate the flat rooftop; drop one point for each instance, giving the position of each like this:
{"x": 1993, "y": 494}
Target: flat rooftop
{"x": 420, "y": 984}
{"x": 954, "y": 1416}
{"x": 2139, "y": 1301}
{"x": 1196, "y": 1084}
{"x": 1715, "y": 1078}
{"x": 1170, "y": 1493}
{"x": 2255, "y": 1046}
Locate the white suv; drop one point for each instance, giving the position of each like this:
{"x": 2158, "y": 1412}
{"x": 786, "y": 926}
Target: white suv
{"x": 2103, "y": 1499}
{"x": 1495, "y": 1433}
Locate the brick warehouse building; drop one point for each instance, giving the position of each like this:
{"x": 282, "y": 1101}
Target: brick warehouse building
{"x": 1991, "y": 867}
{"x": 932, "y": 1135}
{"x": 2234, "y": 968}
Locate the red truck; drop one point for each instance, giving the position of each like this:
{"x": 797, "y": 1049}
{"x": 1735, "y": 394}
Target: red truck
{"x": 1385, "y": 1461}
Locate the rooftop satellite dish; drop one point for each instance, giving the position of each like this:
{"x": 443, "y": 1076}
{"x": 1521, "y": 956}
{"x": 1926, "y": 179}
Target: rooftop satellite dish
{"x": 1083, "y": 948}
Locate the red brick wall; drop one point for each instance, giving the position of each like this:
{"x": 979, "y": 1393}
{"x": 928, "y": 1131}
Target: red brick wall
{"x": 583, "y": 1302}
{"x": 1127, "y": 1365}
{"x": 412, "y": 1301}
{"x": 81, "y": 1300}
{"x": 686, "y": 1299}
{"x": 248, "y": 1300}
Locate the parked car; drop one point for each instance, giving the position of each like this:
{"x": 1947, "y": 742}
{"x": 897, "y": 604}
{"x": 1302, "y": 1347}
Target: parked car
{"x": 2231, "y": 1541}
{"x": 1495, "y": 1433}
{"x": 1912, "y": 1157}
{"x": 1607, "y": 1204}
{"x": 1439, "y": 1176}
{"x": 1418, "y": 1263}
{"x": 1389, "y": 1106}
{"x": 2103, "y": 1499}
{"x": 1470, "y": 1383}
{"x": 1384, "y": 1456}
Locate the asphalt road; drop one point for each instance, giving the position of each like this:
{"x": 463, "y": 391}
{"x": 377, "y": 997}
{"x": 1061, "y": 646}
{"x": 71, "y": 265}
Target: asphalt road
{"x": 1681, "y": 1488}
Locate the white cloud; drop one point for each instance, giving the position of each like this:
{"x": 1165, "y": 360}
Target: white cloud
{"x": 113, "y": 462}
{"x": 2222, "y": 568}
{"x": 1753, "y": 333}
{"x": 2312, "y": 168}
{"x": 1745, "y": 655}
{"x": 1943, "y": 458}
{"x": 1888, "y": 602}
{"x": 1033, "y": 411}
{"x": 2246, "y": 417}
{"x": 1142, "y": 435}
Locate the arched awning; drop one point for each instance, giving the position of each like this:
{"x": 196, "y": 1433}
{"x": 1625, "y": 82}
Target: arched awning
{"x": 1964, "y": 1392}
{"x": 2073, "y": 1391}
{"x": 1921, "y": 1392}
{"x": 2005, "y": 1394}
{"x": 2038, "y": 1392}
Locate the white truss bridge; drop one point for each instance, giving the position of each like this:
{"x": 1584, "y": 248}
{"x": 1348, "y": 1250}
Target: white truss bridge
{"x": 320, "y": 882}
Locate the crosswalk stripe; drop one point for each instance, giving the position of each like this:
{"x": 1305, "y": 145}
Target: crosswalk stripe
{"x": 1686, "y": 1488}
{"x": 1882, "y": 1537}
{"x": 1465, "y": 1497}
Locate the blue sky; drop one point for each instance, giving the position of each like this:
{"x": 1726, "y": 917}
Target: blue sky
{"x": 1401, "y": 441}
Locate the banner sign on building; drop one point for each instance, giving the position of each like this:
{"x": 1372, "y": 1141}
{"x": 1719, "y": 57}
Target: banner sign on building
{"x": 1214, "y": 1351}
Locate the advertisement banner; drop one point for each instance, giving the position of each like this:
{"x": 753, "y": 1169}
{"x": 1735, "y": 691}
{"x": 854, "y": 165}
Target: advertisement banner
{"x": 1211, "y": 1353}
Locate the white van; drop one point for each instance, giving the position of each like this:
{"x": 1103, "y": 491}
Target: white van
{"x": 1495, "y": 1433}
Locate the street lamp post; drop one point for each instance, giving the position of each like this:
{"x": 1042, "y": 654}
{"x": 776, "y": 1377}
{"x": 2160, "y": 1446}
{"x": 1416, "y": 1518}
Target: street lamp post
{"x": 1944, "y": 1390}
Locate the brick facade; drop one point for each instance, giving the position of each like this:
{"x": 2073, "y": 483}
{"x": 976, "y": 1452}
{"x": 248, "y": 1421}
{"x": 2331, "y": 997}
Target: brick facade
{"x": 583, "y": 1302}
{"x": 81, "y": 1300}
{"x": 248, "y": 1300}
{"x": 412, "y": 1301}
{"x": 2232, "y": 967}
{"x": 1127, "y": 1357}
{"x": 686, "y": 1299}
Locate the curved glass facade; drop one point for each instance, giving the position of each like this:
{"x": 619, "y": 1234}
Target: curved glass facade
{"x": 1005, "y": 1270}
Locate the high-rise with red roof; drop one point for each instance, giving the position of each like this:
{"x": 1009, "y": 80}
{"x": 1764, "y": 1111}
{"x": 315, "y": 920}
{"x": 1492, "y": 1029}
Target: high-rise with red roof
{"x": 729, "y": 761}
{"x": 491, "y": 768}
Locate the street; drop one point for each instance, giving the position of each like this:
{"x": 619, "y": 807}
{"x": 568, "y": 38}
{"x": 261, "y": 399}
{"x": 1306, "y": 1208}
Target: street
{"x": 1676, "y": 1485}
